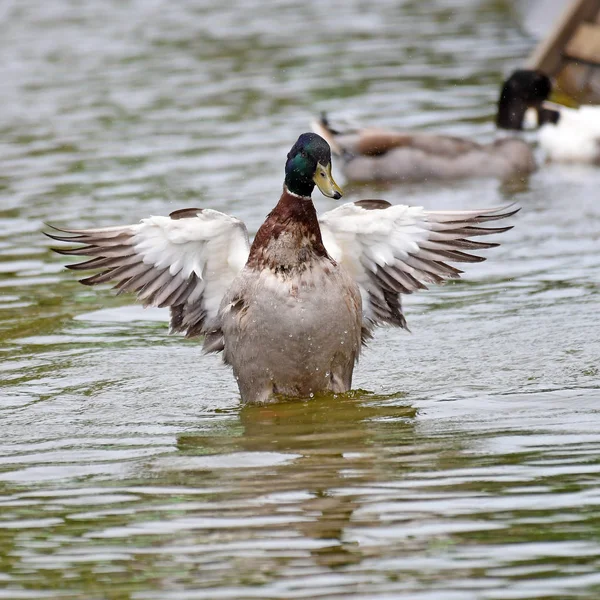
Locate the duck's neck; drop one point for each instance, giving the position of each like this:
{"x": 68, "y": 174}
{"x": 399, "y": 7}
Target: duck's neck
{"x": 290, "y": 237}
{"x": 511, "y": 112}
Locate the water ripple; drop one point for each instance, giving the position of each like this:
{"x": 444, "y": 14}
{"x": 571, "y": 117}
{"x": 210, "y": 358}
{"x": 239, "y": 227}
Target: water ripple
{"x": 464, "y": 467}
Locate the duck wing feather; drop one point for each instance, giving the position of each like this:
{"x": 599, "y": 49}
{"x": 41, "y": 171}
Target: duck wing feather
{"x": 396, "y": 249}
{"x": 185, "y": 262}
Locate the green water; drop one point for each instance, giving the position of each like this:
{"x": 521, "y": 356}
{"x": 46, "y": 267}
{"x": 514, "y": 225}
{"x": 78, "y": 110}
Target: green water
{"x": 466, "y": 466}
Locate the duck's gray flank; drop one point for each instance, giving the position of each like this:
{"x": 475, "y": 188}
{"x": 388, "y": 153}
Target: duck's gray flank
{"x": 371, "y": 154}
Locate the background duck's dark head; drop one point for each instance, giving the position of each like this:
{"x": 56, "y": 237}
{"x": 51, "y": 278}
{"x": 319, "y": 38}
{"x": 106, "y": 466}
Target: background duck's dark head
{"x": 524, "y": 89}
{"x": 309, "y": 164}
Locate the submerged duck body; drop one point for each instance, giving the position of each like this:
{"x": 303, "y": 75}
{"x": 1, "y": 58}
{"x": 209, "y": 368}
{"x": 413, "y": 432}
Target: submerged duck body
{"x": 368, "y": 155}
{"x": 291, "y": 312}
{"x": 564, "y": 134}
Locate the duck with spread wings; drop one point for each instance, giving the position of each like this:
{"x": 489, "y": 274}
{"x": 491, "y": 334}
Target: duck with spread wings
{"x": 290, "y": 312}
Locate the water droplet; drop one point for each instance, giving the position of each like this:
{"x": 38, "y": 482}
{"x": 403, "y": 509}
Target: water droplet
{"x": 312, "y": 395}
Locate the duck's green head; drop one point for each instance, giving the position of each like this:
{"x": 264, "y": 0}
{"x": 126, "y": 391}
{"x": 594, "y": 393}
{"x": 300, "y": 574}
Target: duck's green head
{"x": 309, "y": 164}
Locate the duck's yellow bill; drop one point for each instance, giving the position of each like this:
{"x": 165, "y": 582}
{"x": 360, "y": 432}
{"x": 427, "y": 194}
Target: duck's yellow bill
{"x": 326, "y": 183}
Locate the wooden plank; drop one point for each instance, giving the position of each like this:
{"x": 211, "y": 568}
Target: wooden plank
{"x": 548, "y": 55}
{"x": 585, "y": 44}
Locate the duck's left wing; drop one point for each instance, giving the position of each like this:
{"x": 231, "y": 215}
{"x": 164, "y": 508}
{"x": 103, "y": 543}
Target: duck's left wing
{"x": 396, "y": 249}
{"x": 185, "y": 261}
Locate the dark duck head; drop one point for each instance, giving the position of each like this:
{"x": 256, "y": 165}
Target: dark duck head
{"x": 523, "y": 90}
{"x": 309, "y": 164}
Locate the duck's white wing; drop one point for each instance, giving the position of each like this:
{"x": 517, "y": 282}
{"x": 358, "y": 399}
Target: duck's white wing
{"x": 392, "y": 250}
{"x": 185, "y": 261}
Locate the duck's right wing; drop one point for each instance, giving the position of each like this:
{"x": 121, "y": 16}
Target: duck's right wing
{"x": 186, "y": 261}
{"x": 395, "y": 249}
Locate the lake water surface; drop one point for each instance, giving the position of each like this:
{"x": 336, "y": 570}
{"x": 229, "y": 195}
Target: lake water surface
{"x": 465, "y": 466}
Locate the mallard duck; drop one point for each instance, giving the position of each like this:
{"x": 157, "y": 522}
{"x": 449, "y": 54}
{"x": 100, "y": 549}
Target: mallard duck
{"x": 290, "y": 312}
{"x": 368, "y": 155}
{"x": 565, "y": 134}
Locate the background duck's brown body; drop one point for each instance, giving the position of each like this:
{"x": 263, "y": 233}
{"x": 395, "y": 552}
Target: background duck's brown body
{"x": 378, "y": 155}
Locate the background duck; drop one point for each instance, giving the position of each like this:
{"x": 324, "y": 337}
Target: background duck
{"x": 291, "y": 311}
{"x": 379, "y": 155}
{"x": 565, "y": 134}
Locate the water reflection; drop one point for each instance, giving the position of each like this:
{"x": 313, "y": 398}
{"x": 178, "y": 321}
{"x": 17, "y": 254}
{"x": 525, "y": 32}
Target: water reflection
{"x": 306, "y": 455}
{"x": 285, "y": 496}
